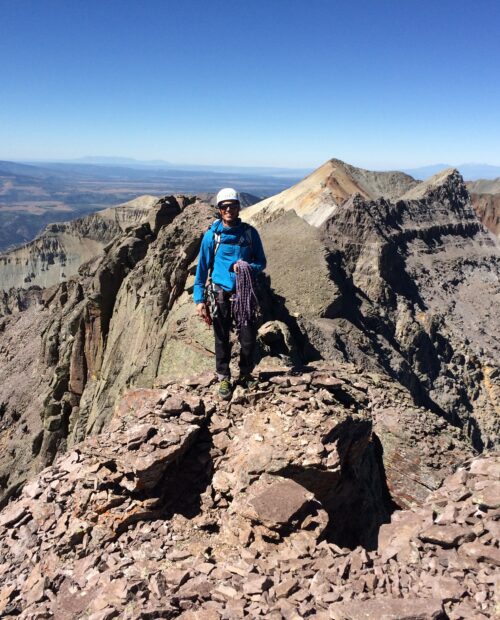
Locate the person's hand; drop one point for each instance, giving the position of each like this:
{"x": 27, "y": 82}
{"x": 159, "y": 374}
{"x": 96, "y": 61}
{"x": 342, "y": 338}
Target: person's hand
{"x": 201, "y": 311}
{"x": 236, "y": 266}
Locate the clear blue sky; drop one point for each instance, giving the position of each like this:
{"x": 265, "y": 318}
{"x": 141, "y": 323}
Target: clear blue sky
{"x": 377, "y": 83}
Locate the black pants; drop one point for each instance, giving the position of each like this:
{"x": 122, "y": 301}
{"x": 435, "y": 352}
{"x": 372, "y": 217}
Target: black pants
{"x": 223, "y": 322}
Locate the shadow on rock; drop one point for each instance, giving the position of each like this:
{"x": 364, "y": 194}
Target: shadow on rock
{"x": 354, "y": 493}
{"x": 184, "y": 484}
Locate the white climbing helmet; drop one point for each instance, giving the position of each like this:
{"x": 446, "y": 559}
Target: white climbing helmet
{"x": 228, "y": 193}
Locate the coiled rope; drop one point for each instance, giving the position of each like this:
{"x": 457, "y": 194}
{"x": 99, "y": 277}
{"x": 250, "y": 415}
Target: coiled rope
{"x": 245, "y": 303}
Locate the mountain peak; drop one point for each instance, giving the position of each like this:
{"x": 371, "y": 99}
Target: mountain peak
{"x": 447, "y": 177}
{"x": 317, "y": 196}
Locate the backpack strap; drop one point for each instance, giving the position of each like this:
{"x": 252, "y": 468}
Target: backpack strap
{"x": 217, "y": 237}
{"x": 216, "y": 247}
{"x": 248, "y": 234}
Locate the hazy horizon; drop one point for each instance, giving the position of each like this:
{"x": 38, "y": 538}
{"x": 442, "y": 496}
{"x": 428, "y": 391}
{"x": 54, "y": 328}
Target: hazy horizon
{"x": 476, "y": 170}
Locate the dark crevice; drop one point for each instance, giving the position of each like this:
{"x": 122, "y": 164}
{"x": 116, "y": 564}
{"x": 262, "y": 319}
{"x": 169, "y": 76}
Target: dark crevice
{"x": 355, "y": 496}
{"x": 184, "y": 483}
{"x": 12, "y": 493}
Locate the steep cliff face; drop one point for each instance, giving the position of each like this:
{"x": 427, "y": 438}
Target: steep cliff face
{"x": 76, "y": 349}
{"x": 55, "y": 255}
{"x": 487, "y": 208}
{"x": 485, "y": 197}
{"x": 429, "y": 271}
{"x": 139, "y": 330}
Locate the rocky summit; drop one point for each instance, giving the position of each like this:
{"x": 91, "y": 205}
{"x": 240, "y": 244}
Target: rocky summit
{"x": 358, "y": 479}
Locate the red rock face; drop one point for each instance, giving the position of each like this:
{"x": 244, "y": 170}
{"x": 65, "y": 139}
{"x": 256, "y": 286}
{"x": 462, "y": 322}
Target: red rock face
{"x": 487, "y": 208}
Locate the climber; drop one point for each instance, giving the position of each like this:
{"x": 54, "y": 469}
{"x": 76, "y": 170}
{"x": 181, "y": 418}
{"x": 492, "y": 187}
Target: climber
{"x": 231, "y": 253}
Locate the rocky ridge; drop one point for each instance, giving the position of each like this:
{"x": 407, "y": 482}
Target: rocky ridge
{"x": 389, "y": 287}
{"x": 172, "y": 512}
{"x": 64, "y": 331}
{"x": 57, "y": 253}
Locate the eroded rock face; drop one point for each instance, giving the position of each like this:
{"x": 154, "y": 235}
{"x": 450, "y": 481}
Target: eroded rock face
{"x": 487, "y": 208}
{"x": 190, "y": 507}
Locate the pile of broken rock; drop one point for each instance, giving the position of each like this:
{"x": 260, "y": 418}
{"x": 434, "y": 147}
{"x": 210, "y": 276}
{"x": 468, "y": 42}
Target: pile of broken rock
{"x": 282, "y": 503}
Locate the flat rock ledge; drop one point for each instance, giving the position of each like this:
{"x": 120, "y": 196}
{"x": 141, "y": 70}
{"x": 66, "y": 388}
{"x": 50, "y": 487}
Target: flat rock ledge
{"x": 188, "y": 507}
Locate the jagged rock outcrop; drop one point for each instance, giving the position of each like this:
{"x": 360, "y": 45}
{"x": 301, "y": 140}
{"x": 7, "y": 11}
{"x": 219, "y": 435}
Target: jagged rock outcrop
{"x": 57, "y": 253}
{"x": 172, "y": 512}
{"x": 407, "y": 287}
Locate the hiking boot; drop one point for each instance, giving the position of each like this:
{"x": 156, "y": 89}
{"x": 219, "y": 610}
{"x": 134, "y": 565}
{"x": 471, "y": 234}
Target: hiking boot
{"x": 248, "y": 381}
{"x": 225, "y": 389}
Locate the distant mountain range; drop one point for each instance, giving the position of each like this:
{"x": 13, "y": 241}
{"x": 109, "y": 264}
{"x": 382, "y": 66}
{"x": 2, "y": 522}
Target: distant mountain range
{"x": 129, "y": 162}
{"x": 470, "y": 172}
{"x": 35, "y": 194}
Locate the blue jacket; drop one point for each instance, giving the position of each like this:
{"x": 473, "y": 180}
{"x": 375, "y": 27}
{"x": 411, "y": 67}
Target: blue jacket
{"x": 233, "y": 247}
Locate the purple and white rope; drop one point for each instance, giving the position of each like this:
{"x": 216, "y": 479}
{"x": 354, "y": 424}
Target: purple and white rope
{"x": 245, "y": 302}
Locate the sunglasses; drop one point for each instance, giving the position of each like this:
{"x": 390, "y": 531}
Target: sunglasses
{"x": 230, "y": 206}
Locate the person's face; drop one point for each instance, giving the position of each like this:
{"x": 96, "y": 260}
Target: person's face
{"x": 229, "y": 212}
